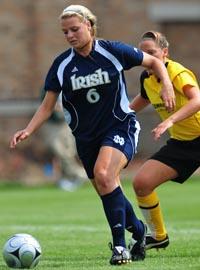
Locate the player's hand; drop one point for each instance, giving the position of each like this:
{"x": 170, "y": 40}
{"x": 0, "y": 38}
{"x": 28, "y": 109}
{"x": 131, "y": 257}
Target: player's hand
{"x": 161, "y": 128}
{"x": 168, "y": 97}
{"x": 18, "y": 137}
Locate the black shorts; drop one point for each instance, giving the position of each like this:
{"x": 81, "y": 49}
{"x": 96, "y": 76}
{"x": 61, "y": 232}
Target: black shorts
{"x": 183, "y": 156}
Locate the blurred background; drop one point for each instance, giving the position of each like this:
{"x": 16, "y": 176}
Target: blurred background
{"x": 31, "y": 38}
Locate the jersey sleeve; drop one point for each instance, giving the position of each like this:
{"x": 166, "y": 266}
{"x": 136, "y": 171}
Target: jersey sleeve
{"x": 142, "y": 89}
{"x": 51, "y": 82}
{"x": 129, "y": 56}
{"x": 182, "y": 79}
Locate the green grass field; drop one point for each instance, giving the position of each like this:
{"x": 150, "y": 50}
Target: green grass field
{"x": 73, "y": 233}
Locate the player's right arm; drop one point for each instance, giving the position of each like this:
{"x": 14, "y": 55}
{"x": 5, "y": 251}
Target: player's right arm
{"x": 41, "y": 115}
{"x": 138, "y": 103}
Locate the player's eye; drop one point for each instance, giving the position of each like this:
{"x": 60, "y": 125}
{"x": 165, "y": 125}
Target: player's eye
{"x": 75, "y": 29}
{"x": 151, "y": 52}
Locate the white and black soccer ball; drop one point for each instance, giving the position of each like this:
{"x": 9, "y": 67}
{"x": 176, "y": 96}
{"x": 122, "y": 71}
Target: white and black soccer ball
{"x": 22, "y": 251}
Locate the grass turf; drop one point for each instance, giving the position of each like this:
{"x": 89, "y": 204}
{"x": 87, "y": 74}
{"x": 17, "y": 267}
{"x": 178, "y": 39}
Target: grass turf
{"x": 73, "y": 233}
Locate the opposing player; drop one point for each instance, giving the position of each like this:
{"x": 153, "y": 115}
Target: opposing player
{"x": 180, "y": 157}
{"x": 91, "y": 79}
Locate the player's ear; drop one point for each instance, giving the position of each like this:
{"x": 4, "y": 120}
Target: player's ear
{"x": 165, "y": 52}
{"x": 88, "y": 25}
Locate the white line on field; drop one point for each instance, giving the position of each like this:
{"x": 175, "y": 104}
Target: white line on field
{"x": 83, "y": 228}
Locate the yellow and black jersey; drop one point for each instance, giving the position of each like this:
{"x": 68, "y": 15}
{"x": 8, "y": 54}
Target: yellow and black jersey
{"x": 187, "y": 129}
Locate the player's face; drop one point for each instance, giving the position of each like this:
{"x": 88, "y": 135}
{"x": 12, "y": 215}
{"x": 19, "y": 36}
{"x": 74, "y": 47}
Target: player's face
{"x": 150, "y": 47}
{"x": 77, "y": 32}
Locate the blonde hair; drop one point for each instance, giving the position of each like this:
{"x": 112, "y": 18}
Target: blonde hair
{"x": 83, "y": 13}
{"x": 157, "y": 37}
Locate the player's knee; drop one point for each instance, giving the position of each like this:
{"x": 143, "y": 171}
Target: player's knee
{"x": 140, "y": 185}
{"x": 102, "y": 178}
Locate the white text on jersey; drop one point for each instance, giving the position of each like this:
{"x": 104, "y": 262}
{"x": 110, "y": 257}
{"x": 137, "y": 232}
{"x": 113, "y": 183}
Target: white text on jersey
{"x": 97, "y": 78}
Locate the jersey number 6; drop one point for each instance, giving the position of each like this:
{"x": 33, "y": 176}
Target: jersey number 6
{"x": 93, "y": 96}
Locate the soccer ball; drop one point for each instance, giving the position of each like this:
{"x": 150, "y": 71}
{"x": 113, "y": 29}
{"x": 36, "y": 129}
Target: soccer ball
{"x": 22, "y": 251}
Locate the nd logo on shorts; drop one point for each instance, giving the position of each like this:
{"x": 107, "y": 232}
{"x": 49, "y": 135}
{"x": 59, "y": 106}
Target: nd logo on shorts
{"x": 119, "y": 140}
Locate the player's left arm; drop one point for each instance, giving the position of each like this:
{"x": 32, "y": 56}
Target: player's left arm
{"x": 191, "y": 107}
{"x": 157, "y": 66}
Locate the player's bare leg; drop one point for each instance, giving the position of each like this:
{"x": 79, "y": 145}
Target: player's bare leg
{"x": 152, "y": 174}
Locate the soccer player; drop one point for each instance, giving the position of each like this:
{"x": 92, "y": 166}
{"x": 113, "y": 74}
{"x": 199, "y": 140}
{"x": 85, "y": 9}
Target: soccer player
{"x": 180, "y": 157}
{"x": 90, "y": 76}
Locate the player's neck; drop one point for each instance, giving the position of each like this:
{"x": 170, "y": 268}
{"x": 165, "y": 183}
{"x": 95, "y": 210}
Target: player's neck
{"x": 86, "y": 49}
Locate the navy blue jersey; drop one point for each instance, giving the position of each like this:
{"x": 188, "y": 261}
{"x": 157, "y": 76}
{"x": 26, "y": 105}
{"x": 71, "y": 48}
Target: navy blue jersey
{"x": 93, "y": 88}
